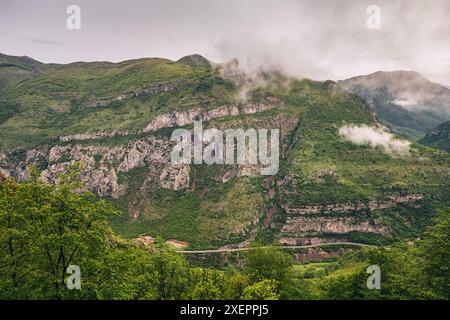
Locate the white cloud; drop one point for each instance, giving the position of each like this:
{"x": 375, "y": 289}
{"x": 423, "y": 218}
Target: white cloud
{"x": 375, "y": 137}
{"x": 318, "y": 39}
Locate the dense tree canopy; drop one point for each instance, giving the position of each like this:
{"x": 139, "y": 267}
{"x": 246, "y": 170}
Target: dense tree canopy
{"x": 45, "y": 228}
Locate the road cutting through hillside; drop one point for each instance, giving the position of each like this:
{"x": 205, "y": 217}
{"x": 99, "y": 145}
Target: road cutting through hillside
{"x": 279, "y": 247}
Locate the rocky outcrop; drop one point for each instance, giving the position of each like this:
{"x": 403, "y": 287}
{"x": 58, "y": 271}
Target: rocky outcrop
{"x": 103, "y": 164}
{"x": 139, "y": 92}
{"x": 337, "y": 225}
{"x": 240, "y": 245}
{"x": 175, "y": 119}
{"x": 391, "y": 201}
{"x": 306, "y": 241}
{"x": 3, "y": 172}
{"x": 175, "y": 177}
{"x": 250, "y": 108}
{"x": 96, "y": 135}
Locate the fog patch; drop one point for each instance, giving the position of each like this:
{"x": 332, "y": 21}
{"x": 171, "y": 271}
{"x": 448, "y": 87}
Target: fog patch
{"x": 375, "y": 137}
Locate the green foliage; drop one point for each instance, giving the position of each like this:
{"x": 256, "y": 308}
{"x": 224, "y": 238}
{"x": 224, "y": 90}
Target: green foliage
{"x": 413, "y": 271}
{"x": 44, "y": 229}
{"x": 263, "y": 264}
{"x": 41, "y": 101}
{"x": 264, "y": 290}
{"x": 435, "y": 252}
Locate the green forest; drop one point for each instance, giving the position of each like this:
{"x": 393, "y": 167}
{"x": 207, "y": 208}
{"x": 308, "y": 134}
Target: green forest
{"x": 45, "y": 228}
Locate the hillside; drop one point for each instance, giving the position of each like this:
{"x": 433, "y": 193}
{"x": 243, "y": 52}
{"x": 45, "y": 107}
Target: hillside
{"x": 405, "y": 101}
{"x": 116, "y": 118}
{"x": 439, "y": 137}
{"x": 64, "y": 99}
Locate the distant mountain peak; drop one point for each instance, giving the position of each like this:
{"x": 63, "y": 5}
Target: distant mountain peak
{"x": 382, "y": 77}
{"x": 22, "y": 62}
{"x": 405, "y": 101}
{"x": 195, "y": 60}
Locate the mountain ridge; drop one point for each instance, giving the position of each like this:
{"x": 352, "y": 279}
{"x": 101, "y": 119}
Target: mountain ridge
{"x": 328, "y": 189}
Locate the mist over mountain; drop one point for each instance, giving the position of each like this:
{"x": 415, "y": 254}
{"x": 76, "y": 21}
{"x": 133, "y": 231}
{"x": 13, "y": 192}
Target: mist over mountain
{"x": 224, "y": 150}
{"x": 408, "y": 103}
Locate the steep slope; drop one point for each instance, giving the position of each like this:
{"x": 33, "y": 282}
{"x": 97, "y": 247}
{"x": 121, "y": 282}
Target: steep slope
{"x": 80, "y": 97}
{"x": 439, "y": 137}
{"x": 408, "y": 103}
{"x": 13, "y": 70}
{"x": 118, "y": 121}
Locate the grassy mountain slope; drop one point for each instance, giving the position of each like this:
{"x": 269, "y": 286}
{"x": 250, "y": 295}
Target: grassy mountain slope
{"x": 79, "y": 97}
{"x": 439, "y": 137}
{"x": 221, "y": 205}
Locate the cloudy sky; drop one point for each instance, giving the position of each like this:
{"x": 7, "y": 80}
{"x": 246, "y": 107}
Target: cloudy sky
{"x": 305, "y": 38}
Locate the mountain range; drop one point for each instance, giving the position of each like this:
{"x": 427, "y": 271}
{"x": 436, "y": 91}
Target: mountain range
{"x": 117, "y": 118}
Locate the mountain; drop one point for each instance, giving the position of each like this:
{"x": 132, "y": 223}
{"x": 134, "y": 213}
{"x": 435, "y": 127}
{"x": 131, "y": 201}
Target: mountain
{"x": 405, "y": 101}
{"x": 117, "y": 119}
{"x": 16, "y": 69}
{"x": 195, "y": 60}
{"x": 439, "y": 137}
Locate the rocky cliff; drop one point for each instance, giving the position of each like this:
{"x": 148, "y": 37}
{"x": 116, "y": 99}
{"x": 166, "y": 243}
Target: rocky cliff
{"x": 118, "y": 125}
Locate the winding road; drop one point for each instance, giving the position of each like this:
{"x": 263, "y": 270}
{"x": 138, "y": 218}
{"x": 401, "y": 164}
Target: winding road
{"x": 280, "y": 247}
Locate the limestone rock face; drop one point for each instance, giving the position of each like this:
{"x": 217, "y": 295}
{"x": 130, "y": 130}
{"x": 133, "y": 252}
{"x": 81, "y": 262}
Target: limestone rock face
{"x": 3, "y": 172}
{"x": 306, "y": 241}
{"x": 337, "y": 225}
{"x": 96, "y": 135}
{"x": 391, "y": 200}
{"x": 102, "y": 164}
{"x": 172, "y": 119}
{"x": 183, "y": 118}
{"x": 250, "y": 108}
{"x": 175, "y": 177}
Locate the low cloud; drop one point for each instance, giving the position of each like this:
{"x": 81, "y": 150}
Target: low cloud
{"x": 375, "y": 138}
{"x": 246, "y": 81}
{"x": 257, "y": 62}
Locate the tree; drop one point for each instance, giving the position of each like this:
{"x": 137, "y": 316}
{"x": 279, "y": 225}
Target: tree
{"x": 268, "y": 264}
{"x": 236, "y": 282}
{"x": 208, "y": 284}
{"x": 44, "y": 228}
{"x": 171, "y": 273}
{"x": 263, "y": 290}
{"x": 434, "y": 251}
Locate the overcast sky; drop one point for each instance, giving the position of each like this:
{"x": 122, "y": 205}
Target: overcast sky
{"x": 304, "y": 38}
